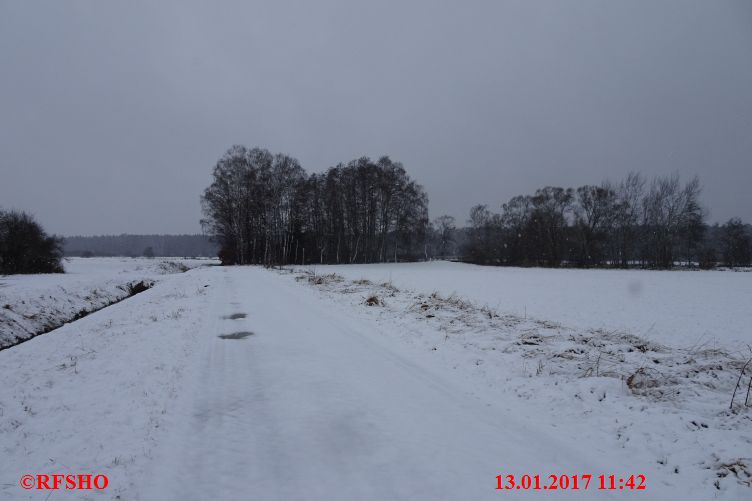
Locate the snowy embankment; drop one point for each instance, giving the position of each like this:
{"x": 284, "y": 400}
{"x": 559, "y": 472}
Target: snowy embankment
{"x": 701, "y": 309}
{"x": 92, "y": 396}
{"x": 640, "y": 402}
{"x": 35, "y": 304}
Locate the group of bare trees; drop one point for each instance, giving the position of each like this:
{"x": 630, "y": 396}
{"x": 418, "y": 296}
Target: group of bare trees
{"x": 631, "y": 223}
{"x": 25, "y": 247}
{"x": 263, "y": 208}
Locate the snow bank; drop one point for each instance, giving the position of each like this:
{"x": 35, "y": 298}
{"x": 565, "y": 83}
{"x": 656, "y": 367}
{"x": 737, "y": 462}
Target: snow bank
{"x": 33, "y": 304}
{"x": 93, "y": 396}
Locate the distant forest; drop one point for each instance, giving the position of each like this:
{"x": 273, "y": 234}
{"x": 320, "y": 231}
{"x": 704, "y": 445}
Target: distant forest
{"x": 263, "y": 208}
{"x": 728, "y": 244}
{"x": 140, "y": 245}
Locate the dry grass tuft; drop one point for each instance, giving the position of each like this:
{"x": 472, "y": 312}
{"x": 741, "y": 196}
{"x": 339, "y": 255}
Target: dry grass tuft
{"x": 374, "y": 301}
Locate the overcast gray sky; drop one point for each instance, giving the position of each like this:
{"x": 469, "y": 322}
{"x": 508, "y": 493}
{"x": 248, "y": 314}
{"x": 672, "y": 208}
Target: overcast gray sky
{"x": 112, "y": 114}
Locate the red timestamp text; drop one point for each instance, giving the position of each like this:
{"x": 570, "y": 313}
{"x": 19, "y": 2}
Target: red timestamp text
{"x": 553, "y": 482}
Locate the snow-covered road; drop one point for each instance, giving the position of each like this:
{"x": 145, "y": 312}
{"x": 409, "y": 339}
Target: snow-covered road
{"x": 310, "y": 406}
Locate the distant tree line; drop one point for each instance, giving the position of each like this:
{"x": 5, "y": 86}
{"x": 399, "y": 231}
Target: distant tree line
{"x": 140, "y": 245}
{"x": 25, "y": 247}
{"x": 264, "y": 208}
{"x": 631, "y": 223}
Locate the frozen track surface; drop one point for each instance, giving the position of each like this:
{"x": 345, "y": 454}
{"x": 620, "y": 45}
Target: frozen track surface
{"x": 311, "y": 406}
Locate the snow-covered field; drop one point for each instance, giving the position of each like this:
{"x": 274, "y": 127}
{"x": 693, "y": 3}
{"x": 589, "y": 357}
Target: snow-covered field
{"x": 246, "y": 383}
{"x": 30, "y": 304}
{"x": 680, "y": 308}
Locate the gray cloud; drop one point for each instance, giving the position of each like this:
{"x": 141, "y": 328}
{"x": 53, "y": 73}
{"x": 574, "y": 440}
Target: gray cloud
{"x": 112, "y": 114}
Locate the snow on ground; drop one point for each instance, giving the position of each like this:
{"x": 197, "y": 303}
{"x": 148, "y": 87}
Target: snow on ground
{"x": 91, "y": 396}
{"x": 30, "y": 304}
{"x": 679, "y": 308}
{"x": 245, "y": 383}
{"x": 643, "y": 405}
